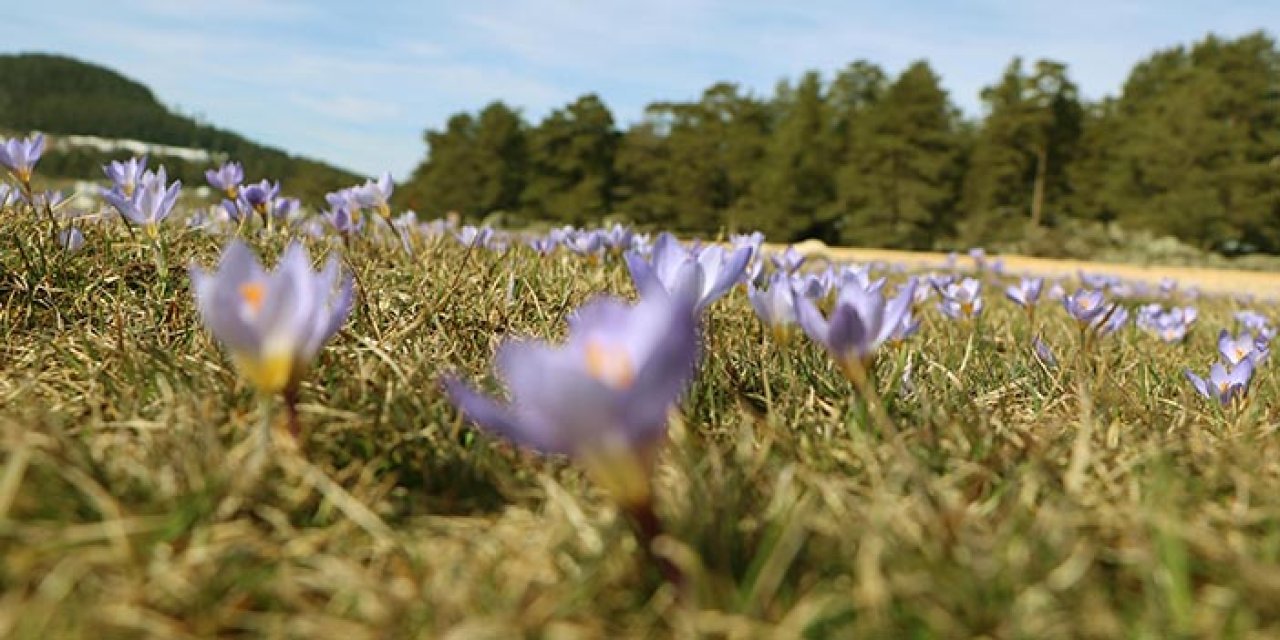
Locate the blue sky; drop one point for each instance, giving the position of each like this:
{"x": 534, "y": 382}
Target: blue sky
{"x": 356, "y": 83}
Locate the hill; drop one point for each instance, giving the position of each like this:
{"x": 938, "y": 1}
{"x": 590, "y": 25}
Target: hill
{"x": 67, "y": 97}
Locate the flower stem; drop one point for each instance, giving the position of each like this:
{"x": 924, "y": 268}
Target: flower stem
{"x": 291, "y": 411}
{"x": 647, "y": 527}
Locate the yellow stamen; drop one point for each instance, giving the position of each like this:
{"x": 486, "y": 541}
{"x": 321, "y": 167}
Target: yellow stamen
{"x": 252, "y": 293}
{"x": 270, "y": 374}
{"x": 610, "y": 365}
{"x": 622, "y": 472}
{"x": 966, "y": 308}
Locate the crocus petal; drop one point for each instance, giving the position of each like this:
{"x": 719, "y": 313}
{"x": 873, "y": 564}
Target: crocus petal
{"x": 1201, "y": 386}
{"x": 642, "y": 275}
{"x": 499, "y": 420}
{"x": 811, "y": 320}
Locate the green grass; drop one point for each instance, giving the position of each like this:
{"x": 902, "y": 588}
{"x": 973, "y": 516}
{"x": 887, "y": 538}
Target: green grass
{"x": 1100, "y": 499}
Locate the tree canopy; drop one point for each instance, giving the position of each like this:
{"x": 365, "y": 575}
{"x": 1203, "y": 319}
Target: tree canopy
{"x": 1190, "y": 148}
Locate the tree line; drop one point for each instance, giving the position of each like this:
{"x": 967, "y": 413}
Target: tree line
{"x": 1190, "y": 148}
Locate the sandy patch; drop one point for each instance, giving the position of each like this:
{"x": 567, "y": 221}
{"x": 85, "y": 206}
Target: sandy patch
{"x": 1230, "y": 281}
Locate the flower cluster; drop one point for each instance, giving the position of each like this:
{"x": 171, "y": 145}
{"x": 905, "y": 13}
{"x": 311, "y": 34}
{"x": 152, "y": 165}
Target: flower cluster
{"x": 142, "y": 197}
{"x": 1169, "y": 325}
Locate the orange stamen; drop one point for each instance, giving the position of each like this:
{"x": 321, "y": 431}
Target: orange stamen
{"x": 609, "y": 365}
{"x": 252, "y": 294}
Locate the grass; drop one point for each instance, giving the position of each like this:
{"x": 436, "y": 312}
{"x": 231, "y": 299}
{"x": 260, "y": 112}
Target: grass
{"x": 1102, "y": 498}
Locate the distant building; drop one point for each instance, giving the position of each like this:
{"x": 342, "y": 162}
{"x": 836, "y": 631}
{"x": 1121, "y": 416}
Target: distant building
{"x": 135, "y": 147}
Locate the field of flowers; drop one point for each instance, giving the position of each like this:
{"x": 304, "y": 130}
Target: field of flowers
{"x": 248, "y": 421}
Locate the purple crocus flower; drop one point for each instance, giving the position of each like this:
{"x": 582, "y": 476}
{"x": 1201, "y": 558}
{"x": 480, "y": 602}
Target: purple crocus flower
{"x": 1044, "y": 352}
{"x": 853, "y": 273}
{"x": 475, "y": 236}
{"x": 775, "y": 306}
{"x": 48, "y": 199}
{"x": 860, "y": 322}
{"x": 544, "y": 245}
{"x": 1168, "y": 326}
{"x": 376, "y": 194}
{"x": 755, "y": 242}
{"x": 285, "y": 208}
{"x": 1236, "y": 349}
{"x": 1096, "y": 281}
{"x": 672, "y": 270}
{"x": 619, "y": 237}
{"x": 344, "y": 221}
{"x": 260, "y": 196}
{"x": 226, "y": 178}
{"x": 589, "y": 244}
{"x": 1085, "y": 305}
{"x": 603, "y": 396}
{"x": 1112, "y": 321}
{"x": 236, "y": 210}
{"x": 789, "y": 261}
{"x": 1223, "y": 384}
{"x": 125, "y": 175}
{"x": 907, "y": 327}
{"x": 20, "y": 156}
{"x": 1252, "y": 320}
{"x": 273, "y": 324}
{"x": 1026, "y": 293}
{"x": 150, "y": 204}
{"x": 70, "y": 239}
{"x": 963, "y": 300}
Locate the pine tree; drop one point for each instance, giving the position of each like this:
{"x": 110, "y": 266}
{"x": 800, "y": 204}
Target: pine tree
{"x": 898, "y": 182}
{"x": 474, "y": 167}
{"x": 571, "y": 164}
{"x": 1020, "y": 158}
{"x": 796, "y": 186}
{"x": 1195, "y": 141}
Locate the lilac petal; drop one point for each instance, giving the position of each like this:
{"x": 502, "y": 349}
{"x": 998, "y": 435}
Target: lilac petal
{"x": 646, "y": 281}
{"x": 1201, "y": 386}
{"x": 666, "y": 373}
{"x": 499, "y": 420}
{"x": 896, "y": 310}
{"x": 729, "y": 273}
{"x": 668, "y": 258}
{"x": 687, "y": 285}
{"x": 868, "y": 305}
{"x": 290, "y": 301}
{"x": 219, "y": 298}
{"x": 811, "y": 320}
{"x": 847, "y": 333}
{"x": 551, "y": 387}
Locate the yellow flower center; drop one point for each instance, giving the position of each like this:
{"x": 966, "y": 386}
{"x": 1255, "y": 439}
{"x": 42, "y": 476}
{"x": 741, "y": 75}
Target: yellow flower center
{"x": 270, "y": 372}
{"x": 252, "y": 293}
{"x": 610, "y": 365}
{"x": 966, "y": 308}
{"x": 1240, "y": 354}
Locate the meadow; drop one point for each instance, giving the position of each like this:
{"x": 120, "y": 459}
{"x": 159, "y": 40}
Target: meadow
{"x": 967, "y": 485}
